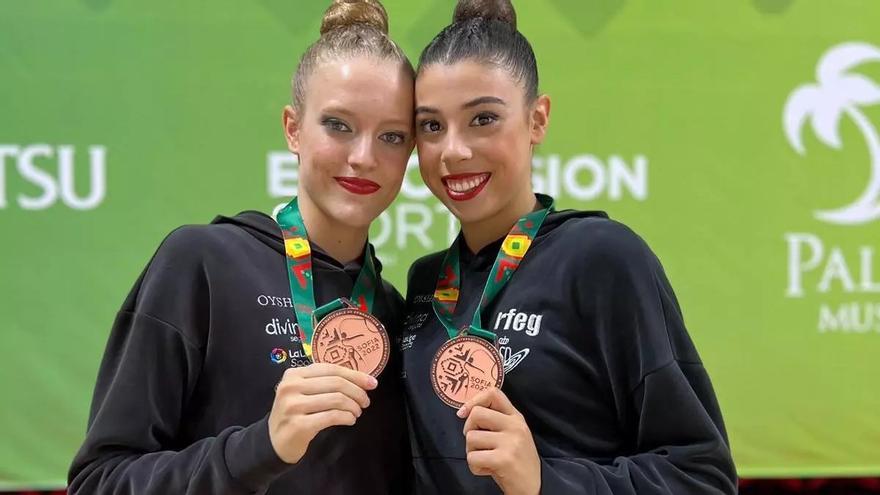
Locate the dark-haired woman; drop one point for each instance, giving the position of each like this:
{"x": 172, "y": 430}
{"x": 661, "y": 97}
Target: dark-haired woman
{"x": 206, "y": 386}
{"x": 544, "y": 351}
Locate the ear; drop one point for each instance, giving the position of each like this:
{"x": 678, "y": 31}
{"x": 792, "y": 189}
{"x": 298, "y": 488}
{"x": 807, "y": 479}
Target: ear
{"x": 290, "y": 122}
{"x": 540, "y": 119}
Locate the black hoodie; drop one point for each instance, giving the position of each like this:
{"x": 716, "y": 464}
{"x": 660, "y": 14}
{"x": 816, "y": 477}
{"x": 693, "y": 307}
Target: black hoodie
{"x": 187, "y": 381}
{"x": 597, "y": 360}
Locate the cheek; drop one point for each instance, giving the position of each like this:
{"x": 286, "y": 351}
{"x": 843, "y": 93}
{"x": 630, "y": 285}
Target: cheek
{"x": 513, "y": 161}
{"x": 323, "y": 156}
{"x": 511, "y": 152}
{"x": 429, "y": 160}
{"x": 392, "y": 164}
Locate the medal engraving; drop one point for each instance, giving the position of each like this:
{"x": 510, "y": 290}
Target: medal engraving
{"x": 351, "y": 338}
{"x": 464, "y": 367}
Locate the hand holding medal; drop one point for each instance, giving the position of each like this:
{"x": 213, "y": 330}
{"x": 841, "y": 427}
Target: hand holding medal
{"x": 313, "y": 398}
{"x": 467, "y": 371}
{"x": 469, "y": 362}
{"x": 500, "y": 444}
{"x": 348, "y": 346}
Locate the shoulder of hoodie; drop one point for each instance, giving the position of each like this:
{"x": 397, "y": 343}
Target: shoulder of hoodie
{"x": 599, "y": 242}
{"x": 178, "y": 266}
{"x": 198, "y": 239}
{"x": 193, "y": 244}
{"x": 593, "y": 242}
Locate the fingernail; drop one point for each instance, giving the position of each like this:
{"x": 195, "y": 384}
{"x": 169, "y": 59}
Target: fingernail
{"x": 373, "y": 382}
{"x": 460, "y": 412}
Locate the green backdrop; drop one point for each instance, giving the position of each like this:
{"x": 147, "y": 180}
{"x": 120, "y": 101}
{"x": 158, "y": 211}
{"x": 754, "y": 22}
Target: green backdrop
{"x": 692, "y": 121}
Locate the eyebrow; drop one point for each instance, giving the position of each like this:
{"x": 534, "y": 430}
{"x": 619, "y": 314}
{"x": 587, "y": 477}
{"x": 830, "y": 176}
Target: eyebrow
{"x": 426, "y": 110}
{"x": 337, "y": 109}
{"x": 404, "y": 125}
{"x": 483, "y": 99}
{"x": 473, "y": 103}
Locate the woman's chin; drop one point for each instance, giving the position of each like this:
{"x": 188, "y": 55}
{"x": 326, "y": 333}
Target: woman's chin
{"x": 473, "y": 211}
{"x": 355, "y": 216}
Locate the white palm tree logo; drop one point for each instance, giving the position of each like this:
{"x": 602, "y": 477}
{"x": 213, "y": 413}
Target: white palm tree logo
{"x": 839, "y": 92}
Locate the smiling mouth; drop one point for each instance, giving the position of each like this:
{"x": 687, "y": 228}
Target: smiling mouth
{"x": 461, "y": 187}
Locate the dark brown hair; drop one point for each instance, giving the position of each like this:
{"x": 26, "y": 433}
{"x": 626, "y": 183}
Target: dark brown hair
{"x": 485, "y": 31}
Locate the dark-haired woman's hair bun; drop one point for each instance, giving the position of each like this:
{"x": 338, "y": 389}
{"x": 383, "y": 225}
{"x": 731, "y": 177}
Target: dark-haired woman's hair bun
{"x": 485, "y": 31}
{"x": 499, "y": 10}
{"x": 345, "y": 13}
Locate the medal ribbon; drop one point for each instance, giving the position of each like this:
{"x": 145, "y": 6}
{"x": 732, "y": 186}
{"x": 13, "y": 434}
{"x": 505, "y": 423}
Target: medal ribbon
{"x": 512, "y": 251}
{"x": 299, "y": 271}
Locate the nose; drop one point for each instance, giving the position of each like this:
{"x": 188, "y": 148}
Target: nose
{"x": 455, "y": 148}
{"x": 362, "y": 155}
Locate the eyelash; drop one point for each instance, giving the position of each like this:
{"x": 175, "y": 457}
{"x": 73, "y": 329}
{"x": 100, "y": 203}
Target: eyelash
{"x": 397, "y": 138}
{"x": 424, "y": 125}
{"x": 485, "y": 115}
{"x": 393, "y": 138}
{"x": 336, "y": 125}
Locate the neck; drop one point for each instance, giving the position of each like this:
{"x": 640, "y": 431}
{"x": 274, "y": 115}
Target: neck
{"x": 481, "y": 233}
{"x": 343, "y": 243}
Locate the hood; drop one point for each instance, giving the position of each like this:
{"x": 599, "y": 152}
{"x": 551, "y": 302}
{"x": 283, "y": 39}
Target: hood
{"x": 265, "y": 229}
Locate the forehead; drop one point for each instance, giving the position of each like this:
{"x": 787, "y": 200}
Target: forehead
{"x": 361, "y": 82}
{"x": 448, "y": 84}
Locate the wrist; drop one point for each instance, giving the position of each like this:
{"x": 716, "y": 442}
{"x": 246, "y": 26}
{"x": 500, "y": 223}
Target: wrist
{"x": 251, "y": 458}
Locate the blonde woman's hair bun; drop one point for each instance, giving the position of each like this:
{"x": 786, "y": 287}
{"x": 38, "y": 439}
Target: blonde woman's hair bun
{"x": 346, "y": 13}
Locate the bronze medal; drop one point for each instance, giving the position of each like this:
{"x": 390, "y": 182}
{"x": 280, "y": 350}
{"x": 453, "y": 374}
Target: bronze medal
{"x": 464, "y": 367}
{"x": 351, "y": 338}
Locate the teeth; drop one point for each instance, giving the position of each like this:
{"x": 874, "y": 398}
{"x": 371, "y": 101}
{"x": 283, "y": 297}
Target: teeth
{"x": 465, "y": 185}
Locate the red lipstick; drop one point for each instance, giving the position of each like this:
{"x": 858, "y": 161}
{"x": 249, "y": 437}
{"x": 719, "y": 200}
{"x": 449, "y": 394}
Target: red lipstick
{"x": 357, "y": 185}
{"x": 462, "y": 187}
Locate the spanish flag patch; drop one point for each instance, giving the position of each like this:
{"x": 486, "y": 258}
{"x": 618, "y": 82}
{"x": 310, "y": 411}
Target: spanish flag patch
{"x": 516, "y": 245}
{"x": 297, "y": 247}
{"x": 446, "y": 295}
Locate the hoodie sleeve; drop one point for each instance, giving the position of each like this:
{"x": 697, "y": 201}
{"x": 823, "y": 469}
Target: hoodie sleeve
{"x": 663, "y": 395}
{"x": 150, "y": 367}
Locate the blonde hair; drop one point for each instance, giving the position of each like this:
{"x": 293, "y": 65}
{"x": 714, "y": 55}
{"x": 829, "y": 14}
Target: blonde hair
{"x": 350, "y": 28}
